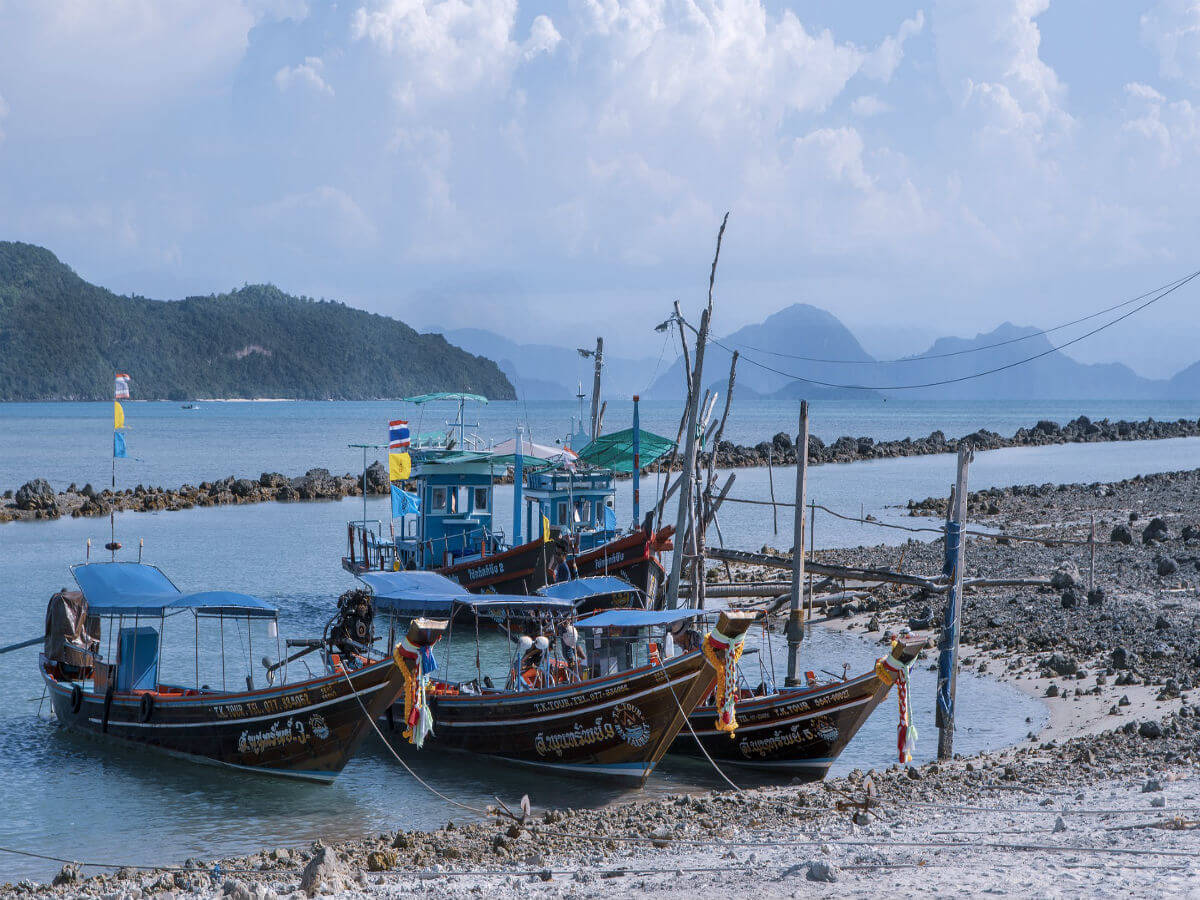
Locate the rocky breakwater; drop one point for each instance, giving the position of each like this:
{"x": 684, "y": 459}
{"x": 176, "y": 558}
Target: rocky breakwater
{"x": 781, "y": 450}
{"x": 36, "y": 499}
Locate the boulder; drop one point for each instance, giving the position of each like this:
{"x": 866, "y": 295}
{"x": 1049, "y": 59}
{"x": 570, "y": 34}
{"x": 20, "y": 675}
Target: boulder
{"x": 1156, "y": 532}
{"x": 244, "y": 488}
{"x": 1150, "y": 729}
{"x": 1065, "y": 576}
{"x": 315, "y": 484}
{"x": 1121, "y": 535}
{"x": 1122, "y": 658}
{"x": 1069, "y": 599}
{"x": 1095, "y": 597}
{"x": 1166, "y": 566}
{"x": 381, "y": 860}
{"x": 377, "y": 478}
{"x": 37, "y": 495}
{"x": 822, "y": 870}
{"x": 323, "y": 870}
{"x": 1062, "y": 664}
{"x": 272, "y": 480}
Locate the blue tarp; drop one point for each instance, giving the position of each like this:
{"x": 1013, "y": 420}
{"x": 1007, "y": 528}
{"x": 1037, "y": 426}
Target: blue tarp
{"x": 637, "y": 618}
{"x": 417, "y": 593}
{"x": 129, "y": 589}
{"x": 585, "y": 588}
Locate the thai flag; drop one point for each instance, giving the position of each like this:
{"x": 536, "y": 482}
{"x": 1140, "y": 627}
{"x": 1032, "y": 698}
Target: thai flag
{"x": 121, "y": 390}
{"x": 398, "y": 435}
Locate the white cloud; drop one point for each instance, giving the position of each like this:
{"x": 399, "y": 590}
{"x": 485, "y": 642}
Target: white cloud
{"x": 312, "y": 219}
{"x": 309, "y": 74}
{"x": 1172, "y": 29}
{"x": 543, "y": 38}
{"x": 868, "y": 105}
{"x": 883, "y": 61}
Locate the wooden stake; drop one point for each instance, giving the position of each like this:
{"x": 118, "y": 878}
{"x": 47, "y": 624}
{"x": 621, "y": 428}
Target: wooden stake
{"x": 771, "y": 485}
{"x": 1092, "y": 548}
{"x": 948, "y": 657}
{"x": 795, "y": 625}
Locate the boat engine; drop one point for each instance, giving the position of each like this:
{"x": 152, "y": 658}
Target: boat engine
{"x": 353, "y": 627}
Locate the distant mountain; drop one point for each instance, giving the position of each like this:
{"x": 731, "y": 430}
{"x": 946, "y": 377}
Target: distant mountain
{"x": 546, "y": 372}
{"x": 1052, "y": 376}
{"x": 62, "y": 338}
{"x": 799, "y": 330}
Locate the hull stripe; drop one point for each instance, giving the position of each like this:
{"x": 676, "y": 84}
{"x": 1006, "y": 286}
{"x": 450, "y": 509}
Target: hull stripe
{"x": 775, "y": 723}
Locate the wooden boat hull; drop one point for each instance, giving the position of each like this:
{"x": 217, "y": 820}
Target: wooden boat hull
{"x": 630, "y": 557}
{"x": 800, "y": 731}
{"x": 307, "y": 730}
{"x": 615, "y": 726}
{"x": 520, "y": 570}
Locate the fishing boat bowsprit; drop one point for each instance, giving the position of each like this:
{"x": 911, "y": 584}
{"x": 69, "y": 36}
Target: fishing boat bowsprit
{"x": 613, "y": 711}
{"x": 306, "y": 730}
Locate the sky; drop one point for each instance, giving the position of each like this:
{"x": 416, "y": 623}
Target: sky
{"x": 547, "y": 169}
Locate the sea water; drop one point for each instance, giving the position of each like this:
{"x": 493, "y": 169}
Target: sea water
{"x": 79, "y": 798}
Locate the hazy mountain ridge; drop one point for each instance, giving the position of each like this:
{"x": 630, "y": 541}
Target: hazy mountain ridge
{"x": 62, "y": 338}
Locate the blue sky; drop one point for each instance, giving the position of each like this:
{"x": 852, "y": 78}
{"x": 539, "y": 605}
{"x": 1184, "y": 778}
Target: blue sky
{"x": 543, "y": 168}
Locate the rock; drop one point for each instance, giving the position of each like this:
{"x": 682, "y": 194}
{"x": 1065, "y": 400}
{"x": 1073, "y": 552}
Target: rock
{"x": 1124, "y": 701}
{"x": 1167, "y": 566}
{"x": 874, "y": 624}
{"x": 37, "y": 495}
{"x": 1156, "y": 532}
{"x": 280, "y": 854}
{"x": 661, "y": 836}
{"x": 1052, "y": 690}
{"x": 922, "y": 620}
{"x": 1065, "y": 576}
{"x": 1190, "y": 533}
{"x": 1121, "y": 535}
{"x": 244, "y": 487}
{"x": 377, "y": 479}
{"x": 1095, "y": 597}
{"x": 822, "y": 870}
{"x": 68, "y": 874}
{"x": 914, "y": 773}
{"x": 1158, "y": 802}
{"x": 1069, "y": 599}
{"x": 1122, "y": 658}
{"x": 1062, "y": 664}
{"x": 1150, "y": 729}
{"x": 1151, "y": 785}
{"x": 323, "y": 870}
{"x": 316, "y": 484}
{"x": 1059, "y": 825}
{"x": 272, "y": 480}
{"x": 402, "y": 841}
{"x": 1161, "y": 623}
{"x": 381, "y": 860}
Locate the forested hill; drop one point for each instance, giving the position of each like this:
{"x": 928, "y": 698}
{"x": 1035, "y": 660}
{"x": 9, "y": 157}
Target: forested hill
{"x": 62, "y": 338}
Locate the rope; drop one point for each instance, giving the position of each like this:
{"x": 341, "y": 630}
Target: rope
{"x": 407, "y": 768}
{"x": 692, "y": 731}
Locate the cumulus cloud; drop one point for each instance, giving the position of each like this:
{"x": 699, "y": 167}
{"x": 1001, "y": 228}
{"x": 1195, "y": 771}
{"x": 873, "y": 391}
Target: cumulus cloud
{"x": 309, "y": 74}
{"x": 883, "y": 61}
{"x": 543, "y": 38}
{"x": 1172, "y": 29}
{"x": 868, "y": 105}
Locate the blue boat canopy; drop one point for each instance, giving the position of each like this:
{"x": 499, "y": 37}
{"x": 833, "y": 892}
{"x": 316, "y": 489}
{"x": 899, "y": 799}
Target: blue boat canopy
{"x": 414, "y": 592}
{"x": 134, "y": 589}
{"x": 513, "y": 601}
{"x": 446, "y": 395}
{"x": 637, "y": 618}
{"x": 578, "y": 589}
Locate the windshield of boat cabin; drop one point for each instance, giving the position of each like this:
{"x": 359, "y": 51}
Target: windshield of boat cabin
{"x": 612, "y": 650}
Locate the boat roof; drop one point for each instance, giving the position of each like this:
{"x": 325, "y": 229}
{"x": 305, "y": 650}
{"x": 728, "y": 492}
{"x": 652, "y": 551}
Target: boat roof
{"x": 446, "y": 395}
{"x": 637, "y": 618}
{"x": 136, "y": 589}
{"x": 412, "y": 589}
{"x": 585, "y": 588}
{"x": 615, "y": 450}
{"x": 514, "y": 601}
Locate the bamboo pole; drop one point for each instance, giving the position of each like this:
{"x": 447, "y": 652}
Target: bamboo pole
{"x": 795, "y": 625}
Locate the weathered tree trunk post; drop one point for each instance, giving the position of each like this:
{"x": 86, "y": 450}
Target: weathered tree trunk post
{"x": 795, "y": 625}
{"x": 596, "y": 388}
{"x": 948, "y": 646}
{"x": 688, "y": 475}
{"x": 1092, "y": 548}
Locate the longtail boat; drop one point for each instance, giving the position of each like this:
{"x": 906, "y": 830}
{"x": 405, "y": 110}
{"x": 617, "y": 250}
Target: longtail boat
{"x": 307, "y": 729}
{"x": 803, "y": 730}
{"x": 611, "y": 712}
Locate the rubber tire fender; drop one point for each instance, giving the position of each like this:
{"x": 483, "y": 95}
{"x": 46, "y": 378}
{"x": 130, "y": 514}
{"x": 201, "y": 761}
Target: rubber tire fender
{"x": 76, "y": 698}
{"x": 146, "y": 708}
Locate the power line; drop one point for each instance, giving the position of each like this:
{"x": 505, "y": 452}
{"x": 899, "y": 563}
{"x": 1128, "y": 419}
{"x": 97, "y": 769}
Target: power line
{"x": 906, "y": 387}
{"x": 912, "y": 359}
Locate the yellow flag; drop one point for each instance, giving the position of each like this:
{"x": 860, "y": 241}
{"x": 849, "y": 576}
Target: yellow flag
{"x": 118, "y": 415}
{"x": 545, "y": 530}
{"x": 399, "y": 466}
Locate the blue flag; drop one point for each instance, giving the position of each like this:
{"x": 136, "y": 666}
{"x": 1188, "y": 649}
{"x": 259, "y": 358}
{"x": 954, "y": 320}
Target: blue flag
{"x": 610, "y": 519}
{"x": 404, "y": 503}
{"x": 118, "y": 445}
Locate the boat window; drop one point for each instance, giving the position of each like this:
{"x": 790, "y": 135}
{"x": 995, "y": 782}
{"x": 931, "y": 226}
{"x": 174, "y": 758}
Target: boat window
{"x": 562, "y": 513}
{"x": 581, "y": 511}
{"x": 481, "y": 499}
{"x": 438, "y": 501}
{"x": 458, "y": 500}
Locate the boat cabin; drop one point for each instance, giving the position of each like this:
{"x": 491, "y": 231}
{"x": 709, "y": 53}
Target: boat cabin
{"x": 617, "y": 640}
{"x": 579, "y": 502}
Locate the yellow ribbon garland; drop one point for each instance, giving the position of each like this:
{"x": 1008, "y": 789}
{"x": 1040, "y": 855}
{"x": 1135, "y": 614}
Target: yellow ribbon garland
{"x": 724, "y": 662}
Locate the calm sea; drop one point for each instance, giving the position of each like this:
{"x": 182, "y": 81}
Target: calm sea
{"x": 74, "y": 797}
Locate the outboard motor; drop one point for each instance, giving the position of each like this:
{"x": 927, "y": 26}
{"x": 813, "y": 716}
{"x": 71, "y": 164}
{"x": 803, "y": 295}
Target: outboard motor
{"x": 353, "y": 628}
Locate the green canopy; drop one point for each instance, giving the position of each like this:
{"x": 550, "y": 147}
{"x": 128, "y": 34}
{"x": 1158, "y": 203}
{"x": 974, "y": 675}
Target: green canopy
{"x": 615, "y": 451}
{"x": 446, "y": 395}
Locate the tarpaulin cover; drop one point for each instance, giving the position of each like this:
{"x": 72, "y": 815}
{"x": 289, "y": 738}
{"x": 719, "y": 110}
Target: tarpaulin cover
{"x": 128, "y": 589}
{"x": 68, "y": 637}
{"x": 615, "y": 451}
{"x": 637, "y": 618}
{"x": 418, "y": 593}
{"x": 585, "y": 588}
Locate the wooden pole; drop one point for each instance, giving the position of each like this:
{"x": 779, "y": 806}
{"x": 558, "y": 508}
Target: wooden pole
{"x": 1092, "y": 548}
{"x": 771, "y": 484}
{"x": 795, "y": 625}
{"x": 948, "y": 646}
{"x": 596, "y": 388}
{"x": 688, "y": 475}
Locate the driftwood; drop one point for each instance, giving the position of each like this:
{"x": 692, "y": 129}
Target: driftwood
{"x": 937, "y": 585}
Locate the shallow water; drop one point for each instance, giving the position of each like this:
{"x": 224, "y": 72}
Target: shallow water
{"x": 76, "y": 797}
